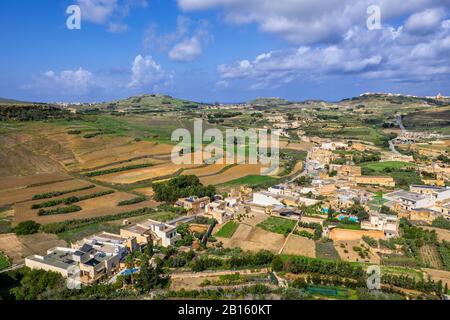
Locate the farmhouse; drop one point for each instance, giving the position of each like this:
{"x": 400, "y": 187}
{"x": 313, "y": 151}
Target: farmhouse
{"x": 193, "y": 204}
{"x": 152, "y": 231}
{"x": 389, "y": 224}
{"x": 383, "y": 181}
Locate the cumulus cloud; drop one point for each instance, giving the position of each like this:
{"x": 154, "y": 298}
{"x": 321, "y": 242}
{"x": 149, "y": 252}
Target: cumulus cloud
{"x": 108, "y": 12}
{"x": 77, "y": 82}
{"x": 147, "y": 73}
{"x": 425, "y": 22}
{"x": 185, "y": 44}
{"x": 388, "y": 54}
{"x": 305, "y": 22}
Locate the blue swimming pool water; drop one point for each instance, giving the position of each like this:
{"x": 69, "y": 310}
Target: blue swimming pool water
{"x": 353, "y": 219}
{"x": 129, "y": 272}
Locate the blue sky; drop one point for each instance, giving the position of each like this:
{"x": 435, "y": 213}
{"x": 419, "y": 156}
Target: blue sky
{"x": 223, "y": 50}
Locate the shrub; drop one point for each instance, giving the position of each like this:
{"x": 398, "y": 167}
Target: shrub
{"x": 132, "y": 201}
{"x": 63, "y": 210}
{"x": 27, "y": 227}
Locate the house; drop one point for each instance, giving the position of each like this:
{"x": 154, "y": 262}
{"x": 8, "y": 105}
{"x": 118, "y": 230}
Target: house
{"x": 87, "y": 262}
{"x": 389, "y": 224}
{"x": 266, "y": 199}
{"x": 410, "y": 200}
{"x": 383, "y": 181}
{"x": 346, "y": 170}
{"x": 439, "y": 193}
{"x": 193, "y": 204}
{"x": 109, "y": 243}
{"x": 59, "y": 260}
{"x": 158, "y": 233}
{"x": 220, "y": 211}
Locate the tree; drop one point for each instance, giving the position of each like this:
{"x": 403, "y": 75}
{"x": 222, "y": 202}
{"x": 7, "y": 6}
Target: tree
{"x": 150, "y": 278}
{"x": 39, "y": 285}
{"x": 27, "y": 227}
{"x": 277, "y": 264}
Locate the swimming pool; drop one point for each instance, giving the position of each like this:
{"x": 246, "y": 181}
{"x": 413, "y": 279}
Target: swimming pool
{"x": 353, "y": 219}
{"x": 129, "y": 272}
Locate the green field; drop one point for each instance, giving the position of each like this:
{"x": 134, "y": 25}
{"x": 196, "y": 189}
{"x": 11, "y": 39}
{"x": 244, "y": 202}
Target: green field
{"x": 4, "y": 261}
{"x": 278, "y": 225}
{"x": 381, "y": 166}
{"x": 227, "y": 230}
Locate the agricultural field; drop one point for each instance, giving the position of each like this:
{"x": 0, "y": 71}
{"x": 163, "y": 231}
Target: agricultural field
{"x": 380, "y": 167}
{"x": 348, "y": 235}
{"x": 278, "y": 225}
{"x": 17, "y": 248}
{"x": 299, "y": 246}
{"x": 227, "y": 230}
{"x": 233, "y": 173}
{"x": 101, "y": 204}
{"x": 250, "y": 238}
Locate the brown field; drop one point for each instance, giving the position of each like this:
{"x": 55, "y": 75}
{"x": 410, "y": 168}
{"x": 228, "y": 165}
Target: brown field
{"x": 437, "y": 275}
{"x": 301, "y": 246}
{"x": 205, "y": 171}
{"x": 198, "y": 228}
{"x": 442, "y": 234}
{"x": 17, "y": 248}
{"x": 254, "y": 239}
{"x": 146, "y": 191}
{"x": 93, "y": 154}
{"x": 24, "y": 181}
{"x": 18, "y": 195}
{"x": 349, "y": 235}
{"x": 233, "y": 173}
{"x": 352, "y": 255}
{"x": 300, "y": 146}
{"x": 97, "y": 207}
{"x": 130, "y": 163}
{"x": 136, "y": 175}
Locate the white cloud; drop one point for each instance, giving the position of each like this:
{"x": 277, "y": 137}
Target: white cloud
{"x": 425, "y": 21}
{"x": 108, "y": 12}
{"x": 308, "y": 21}
{"x": 76, "y": 82}
{"x": 187, "y": 50}
{"x": 147, "y": 73}
{"x": 185, "y": 44}
{"x": 389, "y": 54}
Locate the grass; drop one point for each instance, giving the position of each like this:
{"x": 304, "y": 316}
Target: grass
{"x": 402, "y": 271}
{"x": 381, "y": 166}
{"x": 249, "y": 181}
{"x": 278, "y": 225}
{"x": 353, "y": 226}
{"x": 4, "y": 261}
{"x": 227, "y": 230}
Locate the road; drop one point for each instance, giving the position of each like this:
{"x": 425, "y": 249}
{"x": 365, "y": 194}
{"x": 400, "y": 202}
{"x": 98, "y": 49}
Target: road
{"x": 13, "y": 268}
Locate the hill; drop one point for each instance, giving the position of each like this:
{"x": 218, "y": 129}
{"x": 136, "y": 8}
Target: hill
{"x": 12, "y": 101}
{"x": 147, "y": 103}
